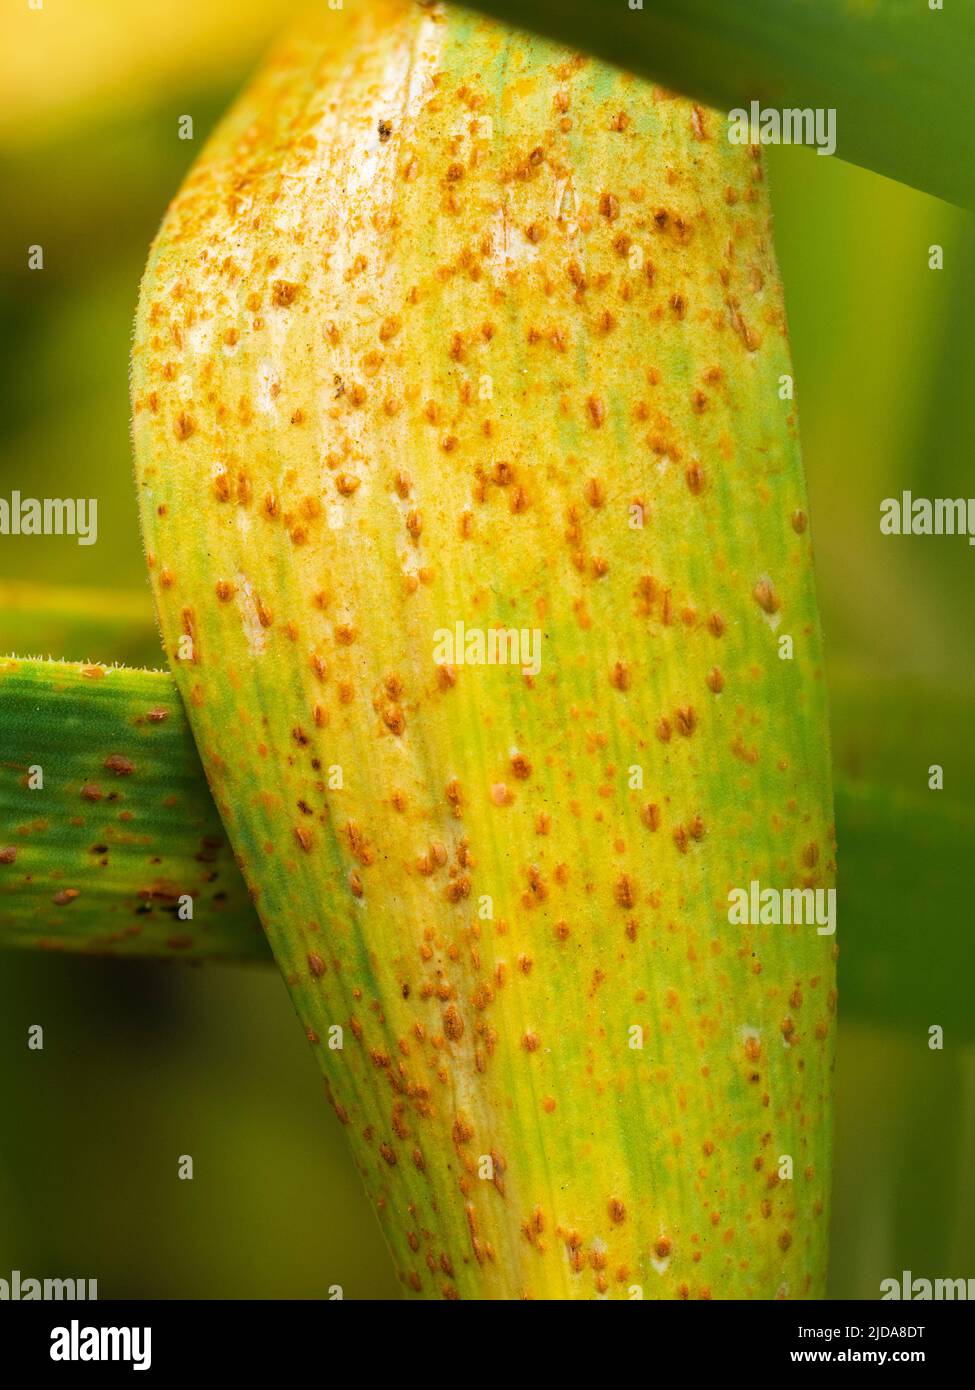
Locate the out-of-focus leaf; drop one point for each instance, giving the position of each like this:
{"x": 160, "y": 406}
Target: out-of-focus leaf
{"x": 76, "y": 59}
{"x": 98, "y": 625}
{"x": 905, "y": 1135}
{"x": 907, "y": 948}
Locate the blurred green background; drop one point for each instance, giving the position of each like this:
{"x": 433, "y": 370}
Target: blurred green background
{"x": 143, "y": 1062}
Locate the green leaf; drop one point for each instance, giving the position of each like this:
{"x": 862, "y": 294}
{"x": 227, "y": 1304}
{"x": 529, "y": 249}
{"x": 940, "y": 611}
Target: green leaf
{"x": 106, "y": 822}
{"x": 907, "y": 950}
{"x": 897, "y": 73}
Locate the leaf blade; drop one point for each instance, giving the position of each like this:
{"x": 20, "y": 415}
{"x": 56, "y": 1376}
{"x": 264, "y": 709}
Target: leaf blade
{"x": 122, "y": 826}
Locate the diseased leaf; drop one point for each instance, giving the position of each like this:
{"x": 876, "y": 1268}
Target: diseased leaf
{"x": 108, "y": 834}
{"x": 907, "y": 954}
{"x": 896, "y": 72}
{"x": 462, "y": 330}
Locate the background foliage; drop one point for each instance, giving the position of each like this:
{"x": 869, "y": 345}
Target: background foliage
{"x": 145, "y": 1062}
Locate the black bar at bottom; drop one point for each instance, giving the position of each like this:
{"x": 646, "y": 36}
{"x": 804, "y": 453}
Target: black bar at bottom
{"x": 295, "y": 1341}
